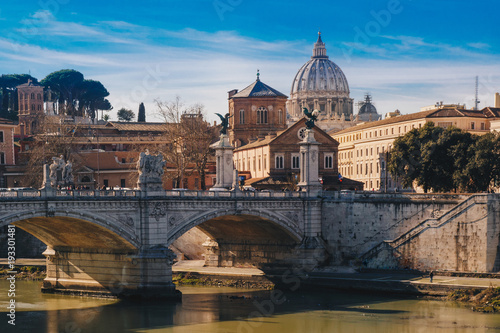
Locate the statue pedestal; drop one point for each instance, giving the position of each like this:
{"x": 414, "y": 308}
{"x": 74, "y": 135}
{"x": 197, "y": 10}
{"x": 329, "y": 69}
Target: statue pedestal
{"x": 225, "y": 167}
{"x": 309, "y": 164}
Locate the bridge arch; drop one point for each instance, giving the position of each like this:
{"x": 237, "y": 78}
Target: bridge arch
{"x": 73, "y": 229}
{"x": 243, "y": 237}
{"x": 283, "y": 223}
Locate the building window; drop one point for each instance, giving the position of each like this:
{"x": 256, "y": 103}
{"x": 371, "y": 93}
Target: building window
{"x": 262, "y": 115}
{"x": 20, "y": 95}
{"x": 265, "y": 161}
{"x": 295, "y": 161}
{"x": 328, "y": 161}
{"x": 260, "y": 163}
{"x": 33, "y": 107}
{"x": 279, "y": 161}
{"x": 280, "y": 116}
{"x": 122, "y": 183}
{"x": 1, "y": 136}
{"x": 472, "y": 125}
{"x": 482, "y": 126}
{"x": 197, "y": 183}
{"x": 32, "y": 95}
{"x": 445, "y": 124}
{"x": 39, "y": 96}
{"x": 106, "y": 182}
{"x": 2, "y": 158}
{"x": 242, "y": 116}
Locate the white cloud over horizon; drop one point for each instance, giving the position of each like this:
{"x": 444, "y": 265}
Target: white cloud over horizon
{"x": 138, "y": 64}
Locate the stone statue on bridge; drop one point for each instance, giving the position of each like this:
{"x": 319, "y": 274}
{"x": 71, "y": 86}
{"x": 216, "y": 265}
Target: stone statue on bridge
{"x": 150, "y": 168}
{"x": 61, "y": 172}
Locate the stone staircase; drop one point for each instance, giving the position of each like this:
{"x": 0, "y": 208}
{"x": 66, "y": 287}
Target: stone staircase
{"x": 421, "y": 227}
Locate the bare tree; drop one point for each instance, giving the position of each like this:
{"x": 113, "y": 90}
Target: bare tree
{"x": 55, "y": 137}
{"x": 190, "y": 137}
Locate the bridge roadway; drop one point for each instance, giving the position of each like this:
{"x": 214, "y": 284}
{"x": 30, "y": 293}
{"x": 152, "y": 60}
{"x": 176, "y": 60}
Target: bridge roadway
{"x": 117, "y": 241}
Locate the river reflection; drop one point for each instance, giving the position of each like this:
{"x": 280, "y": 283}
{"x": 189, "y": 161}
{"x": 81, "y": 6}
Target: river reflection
{"x": 217, "y": 310}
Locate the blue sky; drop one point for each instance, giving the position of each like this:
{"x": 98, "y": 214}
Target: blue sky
{"x": 406, "y": 53}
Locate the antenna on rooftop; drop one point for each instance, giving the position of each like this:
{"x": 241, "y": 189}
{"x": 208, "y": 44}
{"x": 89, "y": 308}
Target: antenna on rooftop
{"x": 476, "y": 100}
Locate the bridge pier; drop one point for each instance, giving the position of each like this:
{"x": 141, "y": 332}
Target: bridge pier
{"x": 100, "y": 272}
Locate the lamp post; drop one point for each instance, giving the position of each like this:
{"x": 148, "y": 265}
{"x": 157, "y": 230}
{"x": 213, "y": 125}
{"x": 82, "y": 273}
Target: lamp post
{"x": 96, "y": 136}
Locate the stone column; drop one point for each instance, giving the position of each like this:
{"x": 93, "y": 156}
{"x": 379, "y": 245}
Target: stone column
{"x": 309, "y": 164}
{"x": 224, "y": 164}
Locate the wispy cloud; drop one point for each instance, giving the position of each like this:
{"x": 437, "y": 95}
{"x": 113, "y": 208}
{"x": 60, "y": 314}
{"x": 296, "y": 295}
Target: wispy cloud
{"x": 393, "y": 47}
{"x": 140, "y": 64}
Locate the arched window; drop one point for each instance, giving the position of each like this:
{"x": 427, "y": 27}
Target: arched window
{"x": 32, "y": 95}
{"x": 279, "y": 161}
{"x": 262, "y": 115}
{"x": 33, "y": 107}
{"x": 242, "y": 116}
{"x": 39, "y": 96}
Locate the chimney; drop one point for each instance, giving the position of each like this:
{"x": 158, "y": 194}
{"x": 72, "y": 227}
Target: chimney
{"x": 497, "y": 100}
{"x": 231, "y": 93}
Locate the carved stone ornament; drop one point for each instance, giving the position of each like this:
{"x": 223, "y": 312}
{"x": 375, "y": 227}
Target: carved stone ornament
{"x": 159, "y": 210}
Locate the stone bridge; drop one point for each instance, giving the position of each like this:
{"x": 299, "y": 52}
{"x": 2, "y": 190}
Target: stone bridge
{"x": 117, "y": 241}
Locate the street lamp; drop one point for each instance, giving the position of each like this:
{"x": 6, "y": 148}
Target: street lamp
{"x": 96, "y": 136}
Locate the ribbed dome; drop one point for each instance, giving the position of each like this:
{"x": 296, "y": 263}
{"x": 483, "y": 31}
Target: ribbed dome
{"x": 320, "y": 74}
{"x": 367, "y": 108}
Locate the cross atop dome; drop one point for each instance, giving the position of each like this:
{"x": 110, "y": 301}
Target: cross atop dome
{"x": 319, "y": 37}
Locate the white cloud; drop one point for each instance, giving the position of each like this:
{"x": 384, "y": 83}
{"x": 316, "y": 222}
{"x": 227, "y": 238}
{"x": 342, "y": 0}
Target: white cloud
{"x": 136, "y": 64}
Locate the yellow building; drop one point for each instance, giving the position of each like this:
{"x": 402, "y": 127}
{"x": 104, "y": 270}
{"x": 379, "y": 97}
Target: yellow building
{"x": 363, "y": 149}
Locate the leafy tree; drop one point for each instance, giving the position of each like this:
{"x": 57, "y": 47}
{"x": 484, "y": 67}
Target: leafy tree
{"x": 446, "y": 159}
{"x": 92, "y": 98}
{"x": 77, "y": 96}
{"x": 406, "y": 156}
{"x": 141, "y": 117}
{"x": 67, "y": 85}
{"x": 125, "y": 114}
{"x": 483, "y": 166}
{"x": 8, "y": 94}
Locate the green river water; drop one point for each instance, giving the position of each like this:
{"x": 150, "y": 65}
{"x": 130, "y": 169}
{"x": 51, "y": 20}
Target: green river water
{"x": 224, "y": 310}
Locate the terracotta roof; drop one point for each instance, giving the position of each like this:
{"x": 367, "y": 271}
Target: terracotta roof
{"x": 258, "y": 89}
{"x": 491, "y": 112}
{"x": 387, "y": 121}
{"x": 135, "y": 126}
{"x": 108, "y": 160}
{"x": 453, "y": 112}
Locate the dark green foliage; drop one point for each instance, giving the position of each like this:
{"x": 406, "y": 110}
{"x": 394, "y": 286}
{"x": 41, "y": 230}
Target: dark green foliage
{"x": 8, "y": 93}
{"x": 77, "y": 96}
{"x": 125, "y": 115}
{"x": 141, "y": 117}
{"x": 445, "y": 160}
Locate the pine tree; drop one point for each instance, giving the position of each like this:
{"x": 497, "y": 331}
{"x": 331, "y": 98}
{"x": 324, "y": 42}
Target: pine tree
{"x": 141, "y": 117}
